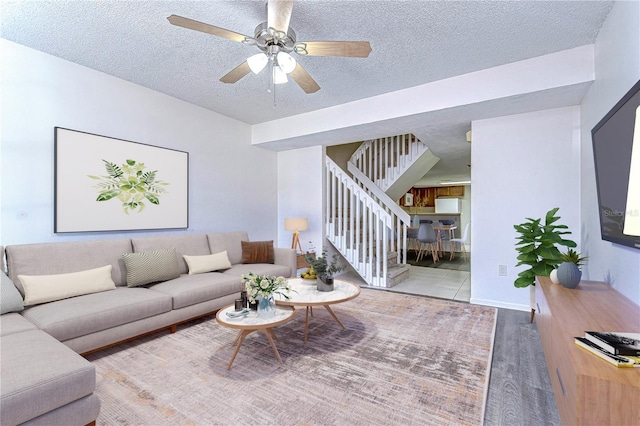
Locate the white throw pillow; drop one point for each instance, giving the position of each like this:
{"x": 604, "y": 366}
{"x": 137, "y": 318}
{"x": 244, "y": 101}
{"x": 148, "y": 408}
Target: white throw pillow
{"x": 207, "y": 263}
{"x": 47, "y": 288}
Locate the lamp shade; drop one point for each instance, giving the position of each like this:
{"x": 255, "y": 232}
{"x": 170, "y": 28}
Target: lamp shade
{"x": 257, "y": 62}
{"x": 296, "y": 224}
{"x": 286, "y": 62}
{"x": 279, "y": 76}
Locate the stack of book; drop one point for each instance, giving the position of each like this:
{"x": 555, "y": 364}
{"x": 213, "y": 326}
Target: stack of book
{"x": 620, "y": 349}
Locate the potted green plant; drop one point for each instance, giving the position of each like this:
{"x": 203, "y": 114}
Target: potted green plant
{"x": 324, "y": 268}
{"x": 537, "y": 247}
{"x": 568, "y": 273}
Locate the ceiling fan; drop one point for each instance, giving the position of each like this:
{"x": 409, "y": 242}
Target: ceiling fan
{"x": 277, "y": 41}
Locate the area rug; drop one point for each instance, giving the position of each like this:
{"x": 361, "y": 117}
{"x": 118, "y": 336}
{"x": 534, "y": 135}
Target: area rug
{"x": 459, "y": 263}
{"x": 401, "y": 359}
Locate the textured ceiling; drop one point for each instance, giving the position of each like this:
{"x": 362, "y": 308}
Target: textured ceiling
{"x": 413, "y": 42}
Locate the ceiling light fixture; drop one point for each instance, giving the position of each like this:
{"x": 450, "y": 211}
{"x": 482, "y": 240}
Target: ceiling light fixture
{"x": 286, "y": 62}
{"x": 279, "y": 76}
{"x": 457, "y": 182}
{"x": 257, "y": 62}
{"x": 281, "y": 64}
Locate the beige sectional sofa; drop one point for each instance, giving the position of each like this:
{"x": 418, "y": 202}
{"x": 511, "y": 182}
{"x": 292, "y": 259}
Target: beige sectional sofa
{"x": 48, "y": 336}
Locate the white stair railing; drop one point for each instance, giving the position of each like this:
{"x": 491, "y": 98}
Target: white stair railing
{"x": 383, "y": 160}
{"x": 357, "y": 225}
{"x": 399, "y": 218}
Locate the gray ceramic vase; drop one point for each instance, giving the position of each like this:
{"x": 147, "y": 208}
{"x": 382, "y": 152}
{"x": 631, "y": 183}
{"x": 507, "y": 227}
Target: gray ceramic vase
{"x": 325, "y": 285}
{"x": 569, "y": 275}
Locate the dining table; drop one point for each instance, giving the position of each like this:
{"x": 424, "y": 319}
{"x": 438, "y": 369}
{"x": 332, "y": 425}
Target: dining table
{"x": 446, "y": 228}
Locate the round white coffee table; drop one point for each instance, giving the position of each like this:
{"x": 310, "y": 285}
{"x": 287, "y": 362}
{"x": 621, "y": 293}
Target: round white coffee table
{"x": 250, "y": 322}
{"x": 306, "y": 294}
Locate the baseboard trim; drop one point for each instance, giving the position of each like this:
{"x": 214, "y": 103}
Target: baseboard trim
{"x": 499, "y": 304}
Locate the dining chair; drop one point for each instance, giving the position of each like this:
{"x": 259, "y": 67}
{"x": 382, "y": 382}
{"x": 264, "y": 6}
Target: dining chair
{"x": 454, "y": 242}
{"x": 427, "y": 240}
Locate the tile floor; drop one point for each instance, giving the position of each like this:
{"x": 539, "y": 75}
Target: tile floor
{"x": 434, "y": 282}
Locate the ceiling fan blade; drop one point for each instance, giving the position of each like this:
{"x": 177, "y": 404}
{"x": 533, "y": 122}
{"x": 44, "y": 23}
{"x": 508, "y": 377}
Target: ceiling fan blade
{"x": 237, "y": 73}
{"x": 354, "y": 49}
{"x": 279, "y": 15}
{"x": 206, "y": 28}
{"x": 304, "y": 80}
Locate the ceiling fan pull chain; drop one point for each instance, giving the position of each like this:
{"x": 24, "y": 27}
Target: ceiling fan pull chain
{"x": 273, "y": 81}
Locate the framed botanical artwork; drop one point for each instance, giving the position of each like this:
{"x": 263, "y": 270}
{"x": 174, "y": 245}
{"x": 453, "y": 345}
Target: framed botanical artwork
{"x": 107, "y": 184}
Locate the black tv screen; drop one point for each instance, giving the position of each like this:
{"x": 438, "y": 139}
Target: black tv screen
{"x": 616, "y": 152}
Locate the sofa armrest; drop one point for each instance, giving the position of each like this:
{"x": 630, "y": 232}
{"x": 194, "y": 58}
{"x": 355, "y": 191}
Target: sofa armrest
{"x": 286, "y": 257}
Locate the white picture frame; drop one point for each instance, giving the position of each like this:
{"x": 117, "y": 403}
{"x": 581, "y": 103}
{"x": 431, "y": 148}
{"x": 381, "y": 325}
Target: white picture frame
{"x": 408, "y": 199}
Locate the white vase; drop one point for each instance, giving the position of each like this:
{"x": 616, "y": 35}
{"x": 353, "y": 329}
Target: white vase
{"x": 553, "y": 276}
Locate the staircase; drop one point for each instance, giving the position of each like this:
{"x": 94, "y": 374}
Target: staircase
{"x": 363, "y": 219}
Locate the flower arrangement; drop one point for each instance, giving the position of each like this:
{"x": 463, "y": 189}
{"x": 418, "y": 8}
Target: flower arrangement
{"x": 264, "y": 286}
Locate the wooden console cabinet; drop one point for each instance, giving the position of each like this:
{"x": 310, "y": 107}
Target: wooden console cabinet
{"x": 588, "y": 390}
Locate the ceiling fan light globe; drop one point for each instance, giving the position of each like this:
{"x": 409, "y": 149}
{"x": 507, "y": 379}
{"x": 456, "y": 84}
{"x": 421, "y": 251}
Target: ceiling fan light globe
{"x": 286, "y": 62}
{"x": 257, "y": 62}
{"x": 279, "y": 76}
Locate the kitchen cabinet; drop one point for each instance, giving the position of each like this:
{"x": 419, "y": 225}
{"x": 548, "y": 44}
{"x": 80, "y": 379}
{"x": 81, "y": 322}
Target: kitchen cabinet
{"x": 450, "y": 191}
{"x": 426, "y": 197}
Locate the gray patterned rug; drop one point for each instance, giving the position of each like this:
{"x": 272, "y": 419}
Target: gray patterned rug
{"x": 401, "y": 360}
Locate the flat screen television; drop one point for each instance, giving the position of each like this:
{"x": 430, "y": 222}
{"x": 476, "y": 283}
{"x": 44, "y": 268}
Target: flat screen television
{"x": 616, "y": 152}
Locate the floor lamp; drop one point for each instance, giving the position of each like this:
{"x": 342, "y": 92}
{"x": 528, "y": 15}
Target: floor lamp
{"x": 296, "y": 224}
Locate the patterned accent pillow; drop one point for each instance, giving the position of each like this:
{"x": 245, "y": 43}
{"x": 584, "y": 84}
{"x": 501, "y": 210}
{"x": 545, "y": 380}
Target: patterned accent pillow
{"x": 10, "y": 298}
{"x": 257, "y": 251}
{"x": 151, "y": 267}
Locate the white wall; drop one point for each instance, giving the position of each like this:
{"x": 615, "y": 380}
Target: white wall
{"x": 465, "y": 215}
{"x": 523, "y": 166}
{"x": 300, "y": 194}
{"x": 232, "y": 185}
{"x": 617, "y": 66}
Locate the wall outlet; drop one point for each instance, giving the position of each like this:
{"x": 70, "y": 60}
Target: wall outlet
{"x": 502, "y": 270}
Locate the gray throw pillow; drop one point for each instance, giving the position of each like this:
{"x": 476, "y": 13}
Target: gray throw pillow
{"x": 151, "y": 267}
{"x": 10, "y": 298}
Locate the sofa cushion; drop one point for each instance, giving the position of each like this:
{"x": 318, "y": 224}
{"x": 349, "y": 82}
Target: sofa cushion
{"x": 48, "y": 288}
{"x": 10, "y": 298}
{"x": 150, "y": 267}
{"x": 259, "y": 269}
{"x": 40, "y": 374}
{"x": 189, "y": 244}
{"x": 62, "y": 258}
{"x": 192, "y": 289}
{"x": 70, "y": 318}
{"x": 229, "y": 241}
{"x": 83, "y": 411}
{"x": 207, "y": 262}
{"x": 257, "y": 251}
{"x": 14, "y": 323}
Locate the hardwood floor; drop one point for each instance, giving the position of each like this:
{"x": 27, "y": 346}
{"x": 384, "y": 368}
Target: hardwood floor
{"x": 519, "y": 388}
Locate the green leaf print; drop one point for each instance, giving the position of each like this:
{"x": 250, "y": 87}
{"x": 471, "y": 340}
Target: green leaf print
{"x": 129, "y": 184}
